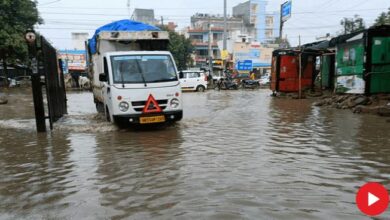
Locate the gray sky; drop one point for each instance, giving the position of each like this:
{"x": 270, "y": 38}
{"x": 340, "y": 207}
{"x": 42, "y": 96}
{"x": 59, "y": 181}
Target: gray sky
{"x": 310, "y": 18}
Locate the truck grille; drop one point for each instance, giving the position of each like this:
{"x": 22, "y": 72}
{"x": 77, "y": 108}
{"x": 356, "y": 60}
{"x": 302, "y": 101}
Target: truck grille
{"x": 138, "y": 106}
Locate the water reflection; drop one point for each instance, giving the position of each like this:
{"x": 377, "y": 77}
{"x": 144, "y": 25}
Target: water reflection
{"x": 138, "y": 172}
{"x": 235, "y": 155}
{"x": 34, "y": 173}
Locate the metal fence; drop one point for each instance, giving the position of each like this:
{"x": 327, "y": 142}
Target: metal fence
{"x": 54, "y": 82}
{"x": 46, "y": 70}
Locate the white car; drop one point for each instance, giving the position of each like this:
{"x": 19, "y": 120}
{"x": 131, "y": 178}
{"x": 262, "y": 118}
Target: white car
{"x": 193, "y": 81}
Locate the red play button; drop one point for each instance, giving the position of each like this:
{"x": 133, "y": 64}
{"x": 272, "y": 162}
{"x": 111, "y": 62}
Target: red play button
{"x": 372, "y": 199}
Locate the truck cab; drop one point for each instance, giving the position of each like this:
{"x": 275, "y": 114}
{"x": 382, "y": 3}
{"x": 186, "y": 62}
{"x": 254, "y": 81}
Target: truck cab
{"x": 131, "y": 79}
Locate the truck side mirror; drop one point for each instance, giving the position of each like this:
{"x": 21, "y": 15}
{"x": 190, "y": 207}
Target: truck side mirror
{"x": 102, "y": 77}
{"x": 181, "y": 75}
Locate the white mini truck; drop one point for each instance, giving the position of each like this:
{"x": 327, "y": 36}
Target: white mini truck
{"x": 134, "y": 78}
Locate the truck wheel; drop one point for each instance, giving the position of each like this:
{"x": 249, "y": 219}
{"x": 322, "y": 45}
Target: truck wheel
{"x": 200, "y": 88}
{"x": 99, "y": 107}
{"x": 108, "y": 115}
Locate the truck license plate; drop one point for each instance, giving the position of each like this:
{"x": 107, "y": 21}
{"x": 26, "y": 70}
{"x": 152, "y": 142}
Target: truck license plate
{"x": 150, "y": 120}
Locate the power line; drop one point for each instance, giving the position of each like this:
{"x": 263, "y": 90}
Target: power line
{"x": 49, "y": 3}
{"x": 296, "y": 13}
{"x": 293, "y": 28}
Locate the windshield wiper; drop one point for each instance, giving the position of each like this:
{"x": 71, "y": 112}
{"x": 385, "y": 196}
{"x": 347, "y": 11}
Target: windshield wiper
{"x": 141, "y": 72}
{"x": 163, "y": 80}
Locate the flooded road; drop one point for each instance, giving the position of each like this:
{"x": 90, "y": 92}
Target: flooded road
{"x": 235, "y": 155}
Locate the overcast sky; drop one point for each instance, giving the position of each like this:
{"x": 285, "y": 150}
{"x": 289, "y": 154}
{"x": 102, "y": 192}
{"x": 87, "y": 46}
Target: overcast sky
{"x": 310, "y": 18}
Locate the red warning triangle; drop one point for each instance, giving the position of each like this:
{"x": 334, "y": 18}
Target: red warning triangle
{"x": 151, "y": 105}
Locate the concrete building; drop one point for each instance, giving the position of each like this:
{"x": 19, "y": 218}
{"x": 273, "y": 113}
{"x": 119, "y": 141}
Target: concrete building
{"x": 144, "y": 16}
{"x": 201, "y": 21}
{"x": 259, "y": 55}
{"x": 78, "y": 40}
{"x": 263, "y": 26}
{"x": 199, "y": 34}
{"x": 200, "y": 41}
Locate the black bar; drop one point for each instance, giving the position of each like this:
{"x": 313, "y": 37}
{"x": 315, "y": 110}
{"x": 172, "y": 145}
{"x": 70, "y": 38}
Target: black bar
{"x": 38, "y": 103}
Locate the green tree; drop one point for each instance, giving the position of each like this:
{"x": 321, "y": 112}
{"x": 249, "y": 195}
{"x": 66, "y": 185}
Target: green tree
{"x": 352, "y": 24}
{"x": 16, "y": 16}
{"x": 384, "y": 18}
{"x": 181, "y": 49}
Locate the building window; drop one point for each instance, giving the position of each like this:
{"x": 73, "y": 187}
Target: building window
{"x": 269, "y": 21}
{"x": 196, "y": 38}
{"x": 269, "y": 33}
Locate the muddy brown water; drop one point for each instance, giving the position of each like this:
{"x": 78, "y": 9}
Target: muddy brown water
{"x": 235, "y": 155}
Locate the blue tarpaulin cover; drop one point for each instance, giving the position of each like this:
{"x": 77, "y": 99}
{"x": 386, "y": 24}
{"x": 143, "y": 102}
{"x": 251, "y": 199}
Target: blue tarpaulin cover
{"x": 122, "y": 25}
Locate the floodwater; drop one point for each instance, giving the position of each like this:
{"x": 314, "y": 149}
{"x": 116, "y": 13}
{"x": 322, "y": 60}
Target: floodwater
{"x": 235, "y": 155}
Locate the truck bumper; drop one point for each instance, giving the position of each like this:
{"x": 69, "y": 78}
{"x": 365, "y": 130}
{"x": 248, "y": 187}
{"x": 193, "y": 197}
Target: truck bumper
{"x": 170, "y": 116}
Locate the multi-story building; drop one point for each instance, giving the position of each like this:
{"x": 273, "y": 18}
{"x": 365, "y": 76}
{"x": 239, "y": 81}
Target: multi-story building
{"x": 200, "y": 41}
{"x": 201, "y": 21}
{"x": 199, "y": 34}
{"x": 254, "y": 51}
{"x": 263, "y": 26}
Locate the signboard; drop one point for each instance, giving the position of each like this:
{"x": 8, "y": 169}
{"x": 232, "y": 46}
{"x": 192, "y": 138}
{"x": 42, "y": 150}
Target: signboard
{"x": 286, "y": 11}
{"x": 73, "y": 59}
{"x": 245, "y": 65}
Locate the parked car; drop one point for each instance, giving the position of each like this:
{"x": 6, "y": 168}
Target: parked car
{"x": 193, "y": 81}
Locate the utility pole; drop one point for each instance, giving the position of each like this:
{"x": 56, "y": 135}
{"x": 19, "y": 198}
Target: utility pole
{"x": 300, "y": 69}
{"x": 285, "y": 14}
{"x": 224, "y": 31}
{"x": 36, "y": 85}
{"x": 210, "y": 48}
{"x": 281, "y": 24}
{"x": 224, "y": 24}
{"x": 162, "y": 21}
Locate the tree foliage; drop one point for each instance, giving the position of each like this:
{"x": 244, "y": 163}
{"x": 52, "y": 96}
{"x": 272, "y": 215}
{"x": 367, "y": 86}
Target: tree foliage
{"x": 384, "y": 18}
{"x": 180, "y": 47}
{"x": 352, "y": 24}
{"x": 16, "y": 16}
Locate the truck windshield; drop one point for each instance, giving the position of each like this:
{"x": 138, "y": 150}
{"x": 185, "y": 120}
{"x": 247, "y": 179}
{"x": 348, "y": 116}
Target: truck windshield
{"x": 143, "y": 69}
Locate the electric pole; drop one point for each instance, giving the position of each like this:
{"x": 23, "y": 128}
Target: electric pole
{"x": 224, "y": 24}
{"x": 210, "y": 48}
{"x": 224, "y": 32}
{"x": 281, "y": 24}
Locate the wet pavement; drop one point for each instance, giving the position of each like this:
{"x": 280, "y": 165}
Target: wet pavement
{"x": 235, "y": 155}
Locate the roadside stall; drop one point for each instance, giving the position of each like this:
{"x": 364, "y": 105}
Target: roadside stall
{"x": 293, "y": 70}
{"x": 363, "y": 61}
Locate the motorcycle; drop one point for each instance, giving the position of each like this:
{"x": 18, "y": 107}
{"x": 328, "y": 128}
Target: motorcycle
{"x": 250, "y": 84}
{"x": 226, "y": 84}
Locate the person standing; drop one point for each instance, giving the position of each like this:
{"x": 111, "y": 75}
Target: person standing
{"x": 253, "y": 76}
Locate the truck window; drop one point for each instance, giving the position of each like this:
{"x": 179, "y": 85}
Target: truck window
{"x": 143, "y": 69}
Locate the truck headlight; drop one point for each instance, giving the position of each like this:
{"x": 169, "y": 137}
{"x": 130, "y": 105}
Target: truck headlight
{"x": 123, "y": 106}
{"x": 175, "y": 103}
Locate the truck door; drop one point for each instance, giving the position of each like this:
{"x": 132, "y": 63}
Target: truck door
{"x": 106, "y": 90}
